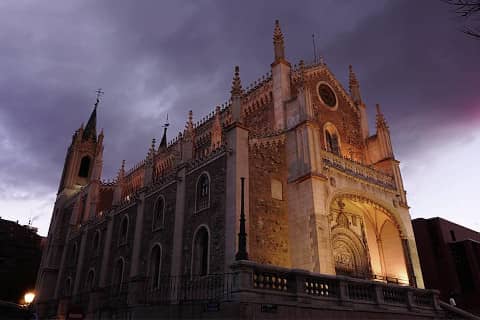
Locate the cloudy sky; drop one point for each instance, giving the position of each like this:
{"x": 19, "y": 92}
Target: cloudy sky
{"x": 157, "y": 57}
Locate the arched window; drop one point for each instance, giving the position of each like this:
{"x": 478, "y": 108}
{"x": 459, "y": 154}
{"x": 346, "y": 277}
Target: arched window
{"x": 202, "y": 192}
{"x": 200, "y": 254}
{"x": 118, "y": 275}
{"x": 155, "y": 266}
{"x": 84, "y": 167}
{"x": 73, "y": 254}
{"x": 123, "y": 231}
{"x": 158, "y": 213}
{"x": 96, "y": 243}
{"x": 68, "y": 287}
{"x": 331, "y": 139}
{"x": 89, "y": 284}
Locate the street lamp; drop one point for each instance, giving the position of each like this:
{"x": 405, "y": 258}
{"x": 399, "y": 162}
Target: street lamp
{"x": 28, "y": 297}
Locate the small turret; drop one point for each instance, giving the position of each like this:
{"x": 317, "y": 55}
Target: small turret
{"x": 278, "y": 45}
{"x": 383, "y": 135}
{"x": 280, "y": 78}
{"x": 236, "y": 97}
{"x": 354, "y": 86}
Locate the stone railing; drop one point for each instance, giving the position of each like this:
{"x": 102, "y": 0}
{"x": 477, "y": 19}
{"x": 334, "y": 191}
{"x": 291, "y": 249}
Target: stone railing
{"x": 281, "y": 284}
{"x": 357, "y": 170}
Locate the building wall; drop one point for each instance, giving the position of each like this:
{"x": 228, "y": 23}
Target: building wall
{"x": 450, "y": 260}
{"x": 20, "y": 253}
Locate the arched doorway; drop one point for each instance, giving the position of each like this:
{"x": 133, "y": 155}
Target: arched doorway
{"x": 366, "y": 240}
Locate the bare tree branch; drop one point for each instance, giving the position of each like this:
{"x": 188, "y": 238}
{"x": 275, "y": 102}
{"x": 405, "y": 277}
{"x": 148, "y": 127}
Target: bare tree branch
{"x": 470, "y": 11}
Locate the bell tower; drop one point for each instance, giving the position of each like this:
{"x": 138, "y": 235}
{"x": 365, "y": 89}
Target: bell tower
{"x": 85, "y": 147}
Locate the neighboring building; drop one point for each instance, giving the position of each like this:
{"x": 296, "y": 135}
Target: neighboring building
{"x": 450, "y": 260}
{"x": 20, "y": 254}
{"x": 321, "y": 194}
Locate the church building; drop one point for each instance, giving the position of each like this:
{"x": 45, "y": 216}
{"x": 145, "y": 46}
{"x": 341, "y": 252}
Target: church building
{"x": 285, "y": 181}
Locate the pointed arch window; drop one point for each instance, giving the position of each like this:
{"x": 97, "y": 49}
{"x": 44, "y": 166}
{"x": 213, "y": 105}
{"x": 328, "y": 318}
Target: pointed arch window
{"x": 200, "y": 254}
{"x": 331, "y": 139}
{"x": 123, "y": 231}
{"x": 159, "y": 213}
{"x": 202, "y": 196}
{"x": 73, "y": 254}
{"x": 118, "y": 275}
{"x": 84, "y": 167}
{"x": 68, "y": 287}
{"x": 155, "y": 266}
{"x": 96, "y": 243}
{"x": 89, "y": 284}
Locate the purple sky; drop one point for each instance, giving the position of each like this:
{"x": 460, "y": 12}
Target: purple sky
{"x": 154, "y": 57}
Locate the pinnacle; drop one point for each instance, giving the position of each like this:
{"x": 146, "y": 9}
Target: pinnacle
{"x": 236, "y": 83}
{"x": 380, "y": 119}
{"x": 277, "y": 32}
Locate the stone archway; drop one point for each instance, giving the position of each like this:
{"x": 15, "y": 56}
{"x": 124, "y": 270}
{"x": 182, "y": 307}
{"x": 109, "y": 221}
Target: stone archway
{"x": 366, "y": 239}
{"x": 350, "y": 254}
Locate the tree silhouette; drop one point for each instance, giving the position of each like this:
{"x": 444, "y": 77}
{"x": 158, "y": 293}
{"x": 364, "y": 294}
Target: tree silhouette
{"x": 469, "y": 10}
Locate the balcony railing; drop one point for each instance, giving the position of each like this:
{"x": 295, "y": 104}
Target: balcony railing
{"x": 186, "y": 289}
{"x": 357, "y": 170}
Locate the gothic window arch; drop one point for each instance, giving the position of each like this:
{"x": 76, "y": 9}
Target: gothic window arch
{"x": 332, "y": 139}
{"x": 84, "y": 167}
{"x": 96, "y": 242}
{"x": 118, "y": 274}
{"x": 73, "y": 254}
{"x": 202, "y": 194}
{"x": 123, "y": 231}
{"x": 155, "y": 266}
{"x": 89, "y": 284}
{"x": 68, "y": 287}
{"x": 159, "y": 213}
{"x": 201, "y": 251}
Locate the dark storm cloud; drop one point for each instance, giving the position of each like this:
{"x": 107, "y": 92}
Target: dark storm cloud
{"x": 154, "y": 57}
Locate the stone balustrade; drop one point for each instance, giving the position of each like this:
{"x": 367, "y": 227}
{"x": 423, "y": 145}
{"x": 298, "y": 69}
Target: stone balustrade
{"x": 252, "y": 281}
{"x": 357, "y": 170}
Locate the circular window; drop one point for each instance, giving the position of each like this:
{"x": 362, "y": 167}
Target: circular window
{"x": 327, "y": 95}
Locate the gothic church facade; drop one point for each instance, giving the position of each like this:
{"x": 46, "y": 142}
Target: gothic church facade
{"x": 322, "y": 194}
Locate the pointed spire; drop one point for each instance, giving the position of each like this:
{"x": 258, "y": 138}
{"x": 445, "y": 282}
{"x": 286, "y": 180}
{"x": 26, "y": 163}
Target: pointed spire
{"x": 91, "y": 127}
{"x": 90, "y": 130}
{"x": 380, "y": 119}
{"x": 236, "y": 83}
{"x": 354, "y": 86}
{"x": 163, "y": 142}
{"x": 278, "y": 45}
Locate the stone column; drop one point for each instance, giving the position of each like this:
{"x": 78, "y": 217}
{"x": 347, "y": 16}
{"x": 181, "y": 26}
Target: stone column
{"x": 106, "y": 253}
{"x": 237, "y": 167}
{"x": 177, "y": 248}
{"x": 137, "y": 238}
{"x": 80, "y": 259}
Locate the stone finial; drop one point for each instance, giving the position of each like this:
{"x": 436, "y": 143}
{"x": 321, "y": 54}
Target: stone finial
{"x": 278, "y": 45}
{"x": 236, "y": 83}
{"x": 354, "y": 86}
{"x": 121, "y": 171}
{"x": 380, "y": 119}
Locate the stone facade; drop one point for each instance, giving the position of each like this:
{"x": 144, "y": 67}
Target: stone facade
{"x": 321, "y": 194}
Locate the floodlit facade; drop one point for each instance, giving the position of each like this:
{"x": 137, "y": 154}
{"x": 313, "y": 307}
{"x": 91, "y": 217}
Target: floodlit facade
{"x": 323, "y": 193}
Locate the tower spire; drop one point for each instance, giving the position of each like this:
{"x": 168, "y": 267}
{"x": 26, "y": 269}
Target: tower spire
{"x": 90, "y": 130}
{"x": 278, "y": 45}
{"x": 354, "y": 86}
{"x": 163, "y": 142}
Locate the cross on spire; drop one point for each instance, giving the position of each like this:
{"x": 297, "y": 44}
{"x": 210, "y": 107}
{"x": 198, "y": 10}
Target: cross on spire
{"x": 99, "y": 93}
